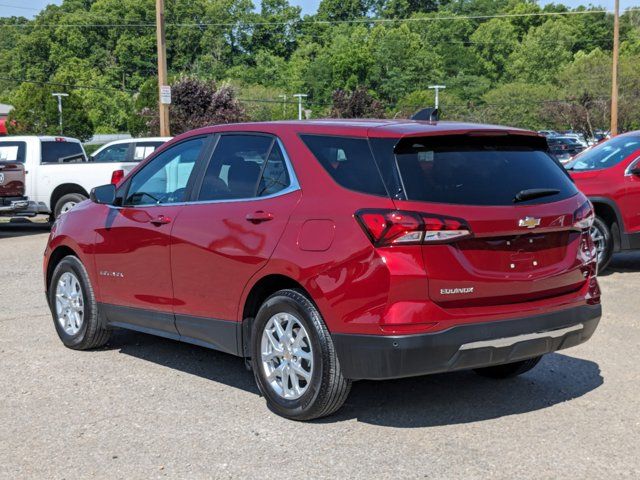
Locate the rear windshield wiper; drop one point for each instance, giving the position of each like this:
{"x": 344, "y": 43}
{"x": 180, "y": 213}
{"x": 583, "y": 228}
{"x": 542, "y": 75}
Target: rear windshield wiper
{"x": 531, "y": 193}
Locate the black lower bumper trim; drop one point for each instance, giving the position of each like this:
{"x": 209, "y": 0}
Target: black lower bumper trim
{"x": 377, "y": 357}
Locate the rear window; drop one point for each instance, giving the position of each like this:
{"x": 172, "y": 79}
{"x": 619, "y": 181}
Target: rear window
{"x": 478, "y": 170}
{"x": 349, "y": 161}
{"x": 13, "y": 152}
{"x": 60, "y": 152}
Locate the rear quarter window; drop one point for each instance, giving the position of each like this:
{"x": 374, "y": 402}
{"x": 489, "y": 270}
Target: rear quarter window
{"x": 349, "y": 161}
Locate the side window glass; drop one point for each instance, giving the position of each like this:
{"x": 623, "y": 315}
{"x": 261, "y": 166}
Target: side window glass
{"x": 275, "y": 176}
{"x": 165, "y": 178}
{"x": 143, "y": 150}
{"x": 234, "y": 169}
{"x": 115, "y": 153}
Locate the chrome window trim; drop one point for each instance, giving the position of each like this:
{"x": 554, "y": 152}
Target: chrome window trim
{"x": 294, "y": 186}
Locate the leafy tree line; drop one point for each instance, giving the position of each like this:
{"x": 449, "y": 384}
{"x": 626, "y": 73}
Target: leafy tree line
{"x": 503, "y": 61}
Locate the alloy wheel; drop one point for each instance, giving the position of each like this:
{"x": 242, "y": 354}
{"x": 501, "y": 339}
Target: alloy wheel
{"x": 599, "y": 241}
{"x": 287, "y": 356}
{"x": 69, "y": 303}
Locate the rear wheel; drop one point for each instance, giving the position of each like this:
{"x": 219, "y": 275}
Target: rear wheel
{"x": 603, "y": 241}
{"x": 293, "y": 358}
{"x": 508, "y": 370}
{"x": 67, "y": 202}
{"x": 74, "y": 307}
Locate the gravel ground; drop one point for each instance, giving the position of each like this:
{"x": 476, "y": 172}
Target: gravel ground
{"x": 146, "y": 407}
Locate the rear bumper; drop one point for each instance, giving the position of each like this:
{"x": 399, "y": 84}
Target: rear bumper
{"x": 377, "y": 357}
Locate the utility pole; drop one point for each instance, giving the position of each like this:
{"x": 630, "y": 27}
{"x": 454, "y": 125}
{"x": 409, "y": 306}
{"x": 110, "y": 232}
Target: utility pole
{"x": 614, "y": 70}
{"x": 164, "y": 92}
{"x": 300, "y": 96}
{"x": 284, "y": 105}
{"x": 60, "y": 95}
{"x": 437, "y": 88}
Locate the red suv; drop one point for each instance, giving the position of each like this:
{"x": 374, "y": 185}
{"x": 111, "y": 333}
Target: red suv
{"x": 330, "y": 251}
{"x": 609, "y": 174}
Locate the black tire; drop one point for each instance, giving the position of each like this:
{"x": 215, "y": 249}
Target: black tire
{"x": 327, "y": 389}
{"x": 508, "y": 370}
{"x": 91, "y": 334}
{"x": 600, "y": 226}
{"x": 65, "y": 199}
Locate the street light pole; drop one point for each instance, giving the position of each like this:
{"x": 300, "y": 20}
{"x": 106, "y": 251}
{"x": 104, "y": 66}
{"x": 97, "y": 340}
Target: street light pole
{"x": 300, "y": 96}
{"x": 437, "y": 88}
{"x": 60, "y": 95}
{"x": 614, "y": 69}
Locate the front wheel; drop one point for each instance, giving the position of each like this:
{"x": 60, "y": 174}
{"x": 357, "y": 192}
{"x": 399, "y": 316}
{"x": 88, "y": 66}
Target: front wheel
{"x": 294, "y": 360}
{"x": 508, "y": 370}
{"x": 74, "y": 307}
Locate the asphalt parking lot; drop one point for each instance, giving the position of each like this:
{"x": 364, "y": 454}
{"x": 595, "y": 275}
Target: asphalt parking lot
{"x": 146, "y": 407}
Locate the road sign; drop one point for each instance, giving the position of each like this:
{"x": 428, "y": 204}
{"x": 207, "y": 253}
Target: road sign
{"x": 165, "y": 94}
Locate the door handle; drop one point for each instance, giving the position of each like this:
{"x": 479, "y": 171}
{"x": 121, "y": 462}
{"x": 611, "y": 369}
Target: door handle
{"x": 259, "y": 217}
{"x": 160, "y": 220}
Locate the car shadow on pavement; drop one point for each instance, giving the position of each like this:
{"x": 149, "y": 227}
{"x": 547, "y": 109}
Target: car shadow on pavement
{"x": 20, "y": 227}
{"x": 435, "y": 400}
{"x": 464, "y": 397}
{"x": 626, "y": 262}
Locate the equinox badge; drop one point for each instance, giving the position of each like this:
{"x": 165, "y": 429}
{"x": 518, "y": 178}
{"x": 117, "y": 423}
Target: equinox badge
{"x": 529, "y": 222}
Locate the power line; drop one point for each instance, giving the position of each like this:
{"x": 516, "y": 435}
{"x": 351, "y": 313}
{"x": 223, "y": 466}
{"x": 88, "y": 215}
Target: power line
{"x": 319, "y": 22}
{"x": 19, "y": 7}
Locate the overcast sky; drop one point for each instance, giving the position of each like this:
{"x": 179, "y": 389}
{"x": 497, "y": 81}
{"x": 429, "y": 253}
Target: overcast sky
{"x": 29, "y": 8}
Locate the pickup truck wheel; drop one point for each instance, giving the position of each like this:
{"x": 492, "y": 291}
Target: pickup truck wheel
{"x": 508, "y": 370}
{"x": 74, "y": 307}
{"x": 67, "y": 202}
{"x": 603, "y": 241}
{"x": 294, "y": 360}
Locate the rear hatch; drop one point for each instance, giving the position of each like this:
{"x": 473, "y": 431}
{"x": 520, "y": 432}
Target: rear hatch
{"x": 518, "y": 205}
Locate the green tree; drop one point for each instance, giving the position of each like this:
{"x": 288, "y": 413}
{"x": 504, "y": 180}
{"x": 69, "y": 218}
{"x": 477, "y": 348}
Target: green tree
{"x": 494, "y": 41}
{"x": 519, "y": 105}
{"x": 543, "y": 51}
{"x": 36, "y": 113}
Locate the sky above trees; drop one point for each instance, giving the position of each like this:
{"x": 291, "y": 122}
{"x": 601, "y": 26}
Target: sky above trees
{"x": 29, "y": 9}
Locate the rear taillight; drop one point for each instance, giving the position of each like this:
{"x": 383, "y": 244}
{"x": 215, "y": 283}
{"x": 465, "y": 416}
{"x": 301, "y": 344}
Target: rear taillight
{"x": 116, "y": 176}
{"x": 396, "y": 227}
{"x": 583, "y": 217}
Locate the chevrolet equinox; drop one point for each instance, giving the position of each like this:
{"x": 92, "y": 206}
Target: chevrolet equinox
{"x": 325, "y": 252}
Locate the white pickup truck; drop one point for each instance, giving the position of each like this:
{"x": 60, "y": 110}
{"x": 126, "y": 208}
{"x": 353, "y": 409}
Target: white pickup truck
{"x": 57, "y": 174}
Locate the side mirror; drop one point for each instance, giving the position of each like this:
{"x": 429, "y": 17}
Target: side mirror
{"x": 103, "y": 195}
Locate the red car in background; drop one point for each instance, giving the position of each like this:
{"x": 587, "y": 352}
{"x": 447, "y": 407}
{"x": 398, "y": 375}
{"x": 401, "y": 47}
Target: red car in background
{"x": 325, "y": 252}
{"x": 609, "y": 174}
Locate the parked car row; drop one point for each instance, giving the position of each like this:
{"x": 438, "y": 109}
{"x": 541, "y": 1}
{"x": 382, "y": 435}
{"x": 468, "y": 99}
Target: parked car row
{"x": 50, "y": 175}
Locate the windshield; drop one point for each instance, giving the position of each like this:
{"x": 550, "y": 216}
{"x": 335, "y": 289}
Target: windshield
{"x": 606, "y": 155}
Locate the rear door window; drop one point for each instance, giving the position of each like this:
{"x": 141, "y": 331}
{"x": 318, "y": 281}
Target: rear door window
{"x": 349, "y": 161}
{"x": 244, "y": 166}
{"x": 62, "y": 152}
{"x": 478, "y": 170}
{"x": 13, "y": 152}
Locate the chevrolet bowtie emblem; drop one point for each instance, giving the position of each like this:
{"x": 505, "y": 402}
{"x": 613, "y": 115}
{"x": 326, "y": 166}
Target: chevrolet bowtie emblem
{"x": 529, "y": 222}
